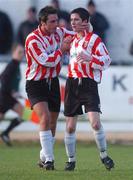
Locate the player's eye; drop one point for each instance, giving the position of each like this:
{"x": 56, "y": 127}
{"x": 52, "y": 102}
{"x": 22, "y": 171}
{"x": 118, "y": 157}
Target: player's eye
{"x": 54, "y": 21}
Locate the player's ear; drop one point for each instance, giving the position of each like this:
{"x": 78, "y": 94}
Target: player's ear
{"x": 43, "y": 23}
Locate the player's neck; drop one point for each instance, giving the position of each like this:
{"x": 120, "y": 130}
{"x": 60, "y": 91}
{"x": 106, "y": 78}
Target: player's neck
{"x": 44, "y": 31}
{"x": 81, "y": 34}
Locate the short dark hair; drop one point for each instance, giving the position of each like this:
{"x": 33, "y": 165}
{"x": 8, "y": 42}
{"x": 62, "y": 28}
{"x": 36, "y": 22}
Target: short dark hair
{"x": 45, "y": 12}
{"x": 32, "y": 9}
{"x": 91, "y": 3}
{"x": 83, "y": 13}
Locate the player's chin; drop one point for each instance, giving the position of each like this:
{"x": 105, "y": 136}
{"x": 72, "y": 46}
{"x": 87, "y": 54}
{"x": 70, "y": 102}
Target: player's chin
{"x": 53, "y": 30}
{"x": 74, "y": 29}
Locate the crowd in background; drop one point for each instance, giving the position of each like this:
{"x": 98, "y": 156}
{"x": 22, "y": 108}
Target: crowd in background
{"x": 7, "y": 36}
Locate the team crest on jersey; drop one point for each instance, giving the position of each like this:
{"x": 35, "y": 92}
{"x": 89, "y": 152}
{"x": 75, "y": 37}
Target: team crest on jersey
{"x": 85, "y": 44}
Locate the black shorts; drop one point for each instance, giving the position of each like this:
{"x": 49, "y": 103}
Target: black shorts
{"x": 6, "y": 102}
{"x": 79, "y": 95}
{"x": 44, "y": 90}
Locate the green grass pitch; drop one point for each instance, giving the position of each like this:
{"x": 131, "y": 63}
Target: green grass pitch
{"x": 19, "y": 163}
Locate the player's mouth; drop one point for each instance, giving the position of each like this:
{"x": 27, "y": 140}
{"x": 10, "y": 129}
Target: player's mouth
{"x": 74, "y": 27}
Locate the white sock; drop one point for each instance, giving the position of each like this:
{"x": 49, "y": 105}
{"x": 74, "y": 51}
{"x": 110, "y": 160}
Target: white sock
{"x": 70, "y": 145}
{"x": 101, "y": 141}
{"x": 53, "y": 142}
{"x": 46, "y": 144}
{"x": 103, "y": 154}
{"x": 42, "y": 157}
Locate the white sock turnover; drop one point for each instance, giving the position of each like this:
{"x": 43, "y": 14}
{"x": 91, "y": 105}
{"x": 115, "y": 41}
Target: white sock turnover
{"x": 70, "y": 145}
{"x": 47, "y": 147}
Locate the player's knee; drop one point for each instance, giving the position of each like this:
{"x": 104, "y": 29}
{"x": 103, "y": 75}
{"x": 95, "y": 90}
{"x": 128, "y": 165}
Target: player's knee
{"x": 70, "y": 129}
{"x": 96, "y": 125}
{"x": 44, "y": 119}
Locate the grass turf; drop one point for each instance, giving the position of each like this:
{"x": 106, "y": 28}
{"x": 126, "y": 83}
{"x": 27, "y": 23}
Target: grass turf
{"x": 19, "y": 163}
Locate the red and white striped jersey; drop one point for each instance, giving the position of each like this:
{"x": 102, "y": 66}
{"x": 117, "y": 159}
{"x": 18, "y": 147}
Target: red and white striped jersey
{"x": 92, "y": 45}
{"x": 43, "y": 53}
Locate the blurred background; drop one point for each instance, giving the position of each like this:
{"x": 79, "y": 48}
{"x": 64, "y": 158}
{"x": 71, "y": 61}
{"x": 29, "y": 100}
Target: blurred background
{"x": 112, "y": 21}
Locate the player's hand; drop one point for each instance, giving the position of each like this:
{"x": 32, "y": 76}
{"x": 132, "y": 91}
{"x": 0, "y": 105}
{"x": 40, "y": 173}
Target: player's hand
{"x": 85, "y": 27}
{"x": 65, "y": 46}
{"x": 82, "y": 57}
{"x": 82, "y": 27}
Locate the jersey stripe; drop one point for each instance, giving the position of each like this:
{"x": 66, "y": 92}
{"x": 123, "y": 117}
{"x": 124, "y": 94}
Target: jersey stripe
{"x": 97, "y": 58}
{"x": 43, "y": 54}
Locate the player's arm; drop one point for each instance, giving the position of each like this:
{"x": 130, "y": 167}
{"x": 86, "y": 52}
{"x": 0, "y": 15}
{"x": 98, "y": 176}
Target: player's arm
{"x": 84, "y": 27}
{"x": 100, "y": 56}
{"x": 65, "y": 33}
{"x": 38, "y": 52}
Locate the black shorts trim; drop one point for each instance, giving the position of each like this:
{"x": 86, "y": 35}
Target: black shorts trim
{"x": 44, "y": 91}
{"x": 81, "y": 95}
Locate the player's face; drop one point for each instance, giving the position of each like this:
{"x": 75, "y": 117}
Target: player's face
{"x": 51, "y": 23}
{"x": 76, "y": 22}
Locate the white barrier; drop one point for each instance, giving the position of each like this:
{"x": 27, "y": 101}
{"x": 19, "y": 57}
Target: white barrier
{"x": 116, "y": 92}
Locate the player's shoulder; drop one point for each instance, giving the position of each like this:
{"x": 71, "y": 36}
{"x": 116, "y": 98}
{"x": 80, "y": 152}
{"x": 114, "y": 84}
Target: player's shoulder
{"x": 93, "y": 36}
{"x": 60, "y": 30}
{"x": 91, "y": 40}
{"x": 32, "y": 36}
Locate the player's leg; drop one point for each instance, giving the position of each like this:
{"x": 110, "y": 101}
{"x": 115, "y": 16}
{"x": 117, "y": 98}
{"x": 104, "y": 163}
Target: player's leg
{"x": 70, "y": 142}
{"x": 54, "y": 101}
{"x": 3, "y": 136}
{"x": 98, "y": 131}
{"x": 72, "y": 108}
{"x": 53, "y": 122}
{"x": 91, "y": 102}
{"x": 18, "y": 108}
{"x": 38, "y": 92}
{"x": 100, "y": 139}
{"x": 11, "y": 103}
{"x": 42, "y": 111}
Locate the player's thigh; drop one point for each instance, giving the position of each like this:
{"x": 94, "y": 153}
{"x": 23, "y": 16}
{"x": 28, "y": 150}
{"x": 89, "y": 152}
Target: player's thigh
{"x": 37, "y": 91}
{"x": 72, "y": 105}
{"x": 41, "y": 108}
{"x": 7, "y": 102}
{"x": 89, "y": 95}
{"x": 54, "y": 99}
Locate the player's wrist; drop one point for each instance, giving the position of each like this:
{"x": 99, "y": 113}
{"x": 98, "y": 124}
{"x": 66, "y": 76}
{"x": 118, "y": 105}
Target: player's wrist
{"x": 60, "y": 52}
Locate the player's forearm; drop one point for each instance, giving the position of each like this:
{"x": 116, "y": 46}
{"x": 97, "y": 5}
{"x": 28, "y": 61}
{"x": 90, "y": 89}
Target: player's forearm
{"x": 100, "y": 62}
{"x": 44, "y": 59}
{"x": 53, "y": 59}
